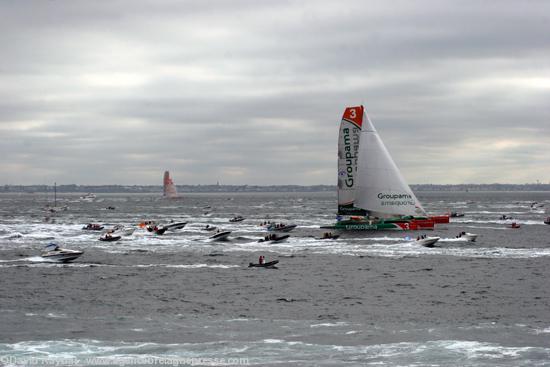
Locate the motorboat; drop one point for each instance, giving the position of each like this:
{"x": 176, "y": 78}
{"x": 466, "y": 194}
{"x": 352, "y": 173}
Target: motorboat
{"x": 427, "y": 241}
{"x": 88, "y": 197}
{"x": 547, "y": 220}
{"x": 120, "y": 230}
{"x": 209, "y": 228}
{"x": 281, "y": 227}
{"x": 93, "y": 227}
{"x": 221, "y": 236}
{"x": 173, "y": 226}
{"x": 270, "y": 264}
{"x": 238, "y": 218}
{"x": 55, "y": 253}
{"x": 273, "y": 238}
{"x": 456, "y": 215}
{"x": 109, "y": 237}
{"x": 468, "y": 236}
{"x": 513, "y": 225}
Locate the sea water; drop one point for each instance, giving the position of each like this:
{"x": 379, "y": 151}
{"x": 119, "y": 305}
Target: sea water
{"x": 366, "y": 298}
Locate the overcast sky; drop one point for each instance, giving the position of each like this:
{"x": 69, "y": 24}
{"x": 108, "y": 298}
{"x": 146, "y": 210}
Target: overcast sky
{"x": 252, "y": 92}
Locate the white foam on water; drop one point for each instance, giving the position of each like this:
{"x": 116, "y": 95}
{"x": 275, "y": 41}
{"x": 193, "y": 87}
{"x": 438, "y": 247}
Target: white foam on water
{"x": 186, "y": 266}
{"x": 330, "y": 325}
{"x": 47, "y": 264}
{"x": 541, "y": 331}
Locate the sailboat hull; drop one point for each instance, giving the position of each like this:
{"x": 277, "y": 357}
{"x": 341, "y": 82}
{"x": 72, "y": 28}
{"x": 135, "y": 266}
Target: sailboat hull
{"x": 441, "y": 219}
{"x": 394, "y": 224}
{"x": 357, "y": 226}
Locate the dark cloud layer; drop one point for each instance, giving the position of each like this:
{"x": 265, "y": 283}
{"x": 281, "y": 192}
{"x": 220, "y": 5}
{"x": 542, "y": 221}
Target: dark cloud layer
{"x": 253, "y": 91}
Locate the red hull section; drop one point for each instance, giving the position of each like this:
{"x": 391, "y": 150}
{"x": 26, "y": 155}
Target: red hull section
{"x": 440, "y": 219}
{"x": 416, "y": 224}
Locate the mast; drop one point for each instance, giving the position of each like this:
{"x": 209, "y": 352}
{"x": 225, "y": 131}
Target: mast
{"x": 55, "y": 194}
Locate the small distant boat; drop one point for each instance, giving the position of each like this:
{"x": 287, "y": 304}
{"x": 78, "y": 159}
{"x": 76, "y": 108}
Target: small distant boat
{"x": 547, "y": 220}
{"x": 55, "y": 253}
{"x": 93, "y": 227}
{"x": 172, "y": 226}
{"x": 238, "y": 218}
{"x": 109, "y": 237}
{"x": 88, "y": 197}
{"x": 209, "y": 228}
{"x": 513, "y": 225}
{"x": 281, "y": 227}
{"x": 468, "y": 236}
{"x": 273, "y": 238}
{"x": 427, "y": 241}
{"x": 505, "y": 217}
{"x": 456, "y": 215}
{"x": 221, "y": 236}
{"x": 266, "y": 265}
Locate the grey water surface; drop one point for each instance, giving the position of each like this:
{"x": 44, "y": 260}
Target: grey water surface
{"x": 366, "y": 298}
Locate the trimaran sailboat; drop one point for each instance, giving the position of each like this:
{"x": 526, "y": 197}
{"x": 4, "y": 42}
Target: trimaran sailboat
{"x": 372, "y": 193}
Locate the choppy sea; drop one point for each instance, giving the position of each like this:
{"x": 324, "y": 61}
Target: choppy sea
{"x": 366, "y": 298}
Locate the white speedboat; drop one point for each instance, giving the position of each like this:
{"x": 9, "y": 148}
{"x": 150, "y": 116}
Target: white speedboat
{"x": 221, "y": 236}
{"x": 89, "y": 197}
{"x": 468, "y": 236}
{"x": 172, "y": 226}
{"x": 427, "y": 241}
{"x": 55, "y": 253}
{"x": 120, "y": 230}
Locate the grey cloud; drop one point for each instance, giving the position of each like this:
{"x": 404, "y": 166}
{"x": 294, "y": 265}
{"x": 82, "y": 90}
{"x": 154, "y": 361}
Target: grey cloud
{"x": 252, "y": 92}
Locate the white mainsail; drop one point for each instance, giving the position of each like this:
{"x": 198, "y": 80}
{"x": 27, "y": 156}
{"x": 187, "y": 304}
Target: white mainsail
{"x": 169, "y": 187}
{"x": 380, "y": 188}
{"x": 348, "y": 149}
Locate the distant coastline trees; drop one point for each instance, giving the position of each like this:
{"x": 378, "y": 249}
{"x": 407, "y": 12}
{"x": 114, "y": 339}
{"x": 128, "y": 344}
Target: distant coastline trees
{"x": 256, "y": 188}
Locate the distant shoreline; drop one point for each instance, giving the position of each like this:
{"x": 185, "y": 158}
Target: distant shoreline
{"x": 73, "y": 188}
